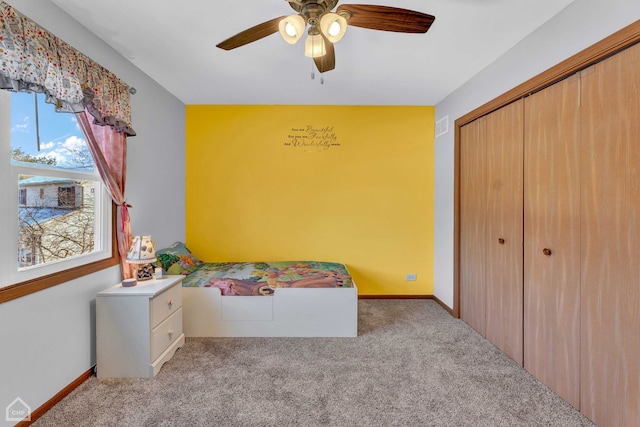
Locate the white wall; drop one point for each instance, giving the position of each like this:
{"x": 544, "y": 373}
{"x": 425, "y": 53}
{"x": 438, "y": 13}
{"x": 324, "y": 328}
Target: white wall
{"x": 580, "y": 25}
{"x": 48, "y": 338}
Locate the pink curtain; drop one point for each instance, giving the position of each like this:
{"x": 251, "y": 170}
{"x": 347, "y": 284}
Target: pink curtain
{"x": 109, "y": 150}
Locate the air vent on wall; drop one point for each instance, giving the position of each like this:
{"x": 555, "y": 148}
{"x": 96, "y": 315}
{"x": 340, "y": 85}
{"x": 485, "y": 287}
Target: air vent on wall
{"x": 442, "y": 126}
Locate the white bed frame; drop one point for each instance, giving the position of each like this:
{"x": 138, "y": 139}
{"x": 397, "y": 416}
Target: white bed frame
{"x": 290, "y": 312}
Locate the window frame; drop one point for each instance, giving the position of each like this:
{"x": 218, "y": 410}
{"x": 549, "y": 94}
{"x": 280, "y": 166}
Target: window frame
{"x": 49, "y": 279}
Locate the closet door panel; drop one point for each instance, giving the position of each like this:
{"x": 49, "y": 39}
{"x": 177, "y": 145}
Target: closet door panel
{"x": 473, "y": 206}
{"x": 610, "y": 229}
{"x": 504, "y": 293}
{"x": 552, "y": 238}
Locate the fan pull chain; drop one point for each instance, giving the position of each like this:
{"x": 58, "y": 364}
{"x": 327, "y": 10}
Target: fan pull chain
{"x": 313, "y": 74}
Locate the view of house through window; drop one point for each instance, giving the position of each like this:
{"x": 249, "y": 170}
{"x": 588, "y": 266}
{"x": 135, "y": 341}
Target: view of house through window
{"x": 57, "y": 216}
{"x": 57, "y": 225}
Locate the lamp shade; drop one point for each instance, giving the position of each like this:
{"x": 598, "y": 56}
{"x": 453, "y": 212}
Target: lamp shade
{"x": 142, "y": 251}
{"x": 291, "y": 28}
{"x": 314, "y": 46}
{"x": 333, "y": 26}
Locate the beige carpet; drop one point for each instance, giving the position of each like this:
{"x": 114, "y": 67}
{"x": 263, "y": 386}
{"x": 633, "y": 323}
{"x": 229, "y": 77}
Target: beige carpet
{"x": 411, "y": 365}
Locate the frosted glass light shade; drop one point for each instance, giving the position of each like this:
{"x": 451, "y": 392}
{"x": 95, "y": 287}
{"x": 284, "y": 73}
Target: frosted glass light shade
{"x": 333, "y": 26}
{"x": 314, "y": 46}
{"x": 291, "y": 28}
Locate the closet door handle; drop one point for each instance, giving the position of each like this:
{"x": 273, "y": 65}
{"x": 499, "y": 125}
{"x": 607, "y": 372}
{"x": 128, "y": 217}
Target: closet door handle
{"x": 546, "y": 251}
{"x": 501, "y": 241}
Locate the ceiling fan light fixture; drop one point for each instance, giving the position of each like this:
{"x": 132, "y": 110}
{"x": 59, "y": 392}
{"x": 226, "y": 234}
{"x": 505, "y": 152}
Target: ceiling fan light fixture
{"x": 333, "y": 26}
{"x": 291, "y": 28}
{"x": 325, "y": 28}
{"x": 314, "y": 46}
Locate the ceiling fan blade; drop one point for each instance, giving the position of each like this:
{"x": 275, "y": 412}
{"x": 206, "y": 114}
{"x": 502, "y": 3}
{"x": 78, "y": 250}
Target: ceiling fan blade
{"x": 387, "y": 18}
{"x": 252, "y": 34}
{"x": 327, "y": 62}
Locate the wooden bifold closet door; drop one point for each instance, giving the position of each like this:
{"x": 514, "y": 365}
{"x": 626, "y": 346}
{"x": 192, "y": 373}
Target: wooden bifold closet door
{"x": 504, "y": 229}
{"x": 473, "y": 196}
{"x": 491, "y": 227}
{"x": 552, "y": 238}
{"x": 610, "y": 232}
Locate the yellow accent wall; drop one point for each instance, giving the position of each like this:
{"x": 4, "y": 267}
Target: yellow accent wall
{"x": 349, "y": 184}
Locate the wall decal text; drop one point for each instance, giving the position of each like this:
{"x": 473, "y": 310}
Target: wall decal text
{"x": 312, "y": 138}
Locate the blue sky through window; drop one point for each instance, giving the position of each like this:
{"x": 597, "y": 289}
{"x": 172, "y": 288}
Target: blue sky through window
{"x": 60, "y": 135}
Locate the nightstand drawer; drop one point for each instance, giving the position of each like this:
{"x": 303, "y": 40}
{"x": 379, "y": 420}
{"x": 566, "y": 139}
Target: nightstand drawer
{"x": 165, "y": 304}
{"x": 166, "y": 333}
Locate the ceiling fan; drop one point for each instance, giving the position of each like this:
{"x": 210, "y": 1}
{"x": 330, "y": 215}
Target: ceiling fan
{"x": 327, "y": 27}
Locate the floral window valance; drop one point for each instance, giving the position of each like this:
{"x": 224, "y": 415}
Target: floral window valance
{"x": 32, "y": 59}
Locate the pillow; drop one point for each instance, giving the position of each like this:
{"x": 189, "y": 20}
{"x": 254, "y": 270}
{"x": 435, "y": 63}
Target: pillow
{"x": 177, "y": 259}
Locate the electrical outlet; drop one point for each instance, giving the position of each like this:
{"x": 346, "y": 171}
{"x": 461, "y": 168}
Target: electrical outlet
{"x": 412, "y": 277}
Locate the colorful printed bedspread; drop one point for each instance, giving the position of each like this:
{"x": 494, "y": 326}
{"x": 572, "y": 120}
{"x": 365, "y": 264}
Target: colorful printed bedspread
{"x": 263, "y": 278}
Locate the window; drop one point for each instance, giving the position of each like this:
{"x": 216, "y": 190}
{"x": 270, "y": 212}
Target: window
{"x": 61, "y": 221}
{"x": 66, "y": 197}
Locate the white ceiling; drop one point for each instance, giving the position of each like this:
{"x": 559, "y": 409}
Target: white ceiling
{"x": 174, "y": 43}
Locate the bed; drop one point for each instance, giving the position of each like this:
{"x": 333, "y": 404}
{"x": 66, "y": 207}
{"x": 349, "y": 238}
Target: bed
{"x": 263, "y": 299}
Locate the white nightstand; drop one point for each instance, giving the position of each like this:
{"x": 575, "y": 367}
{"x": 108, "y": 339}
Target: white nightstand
{"x": 138, "y": 328}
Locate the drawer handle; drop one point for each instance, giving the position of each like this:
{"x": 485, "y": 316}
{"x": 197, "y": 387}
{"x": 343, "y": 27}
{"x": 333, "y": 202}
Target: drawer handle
{"x": 170, "y": 332}
{"x": 170, "y": 303}
{"x": 546, "y": 251}
{"x": 501, "y": 241}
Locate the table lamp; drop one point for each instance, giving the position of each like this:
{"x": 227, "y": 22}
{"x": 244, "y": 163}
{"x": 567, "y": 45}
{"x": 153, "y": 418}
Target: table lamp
{"x": 141, "y": 254}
